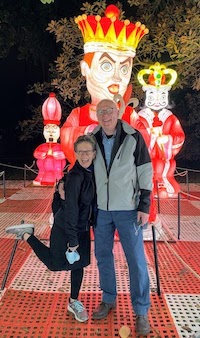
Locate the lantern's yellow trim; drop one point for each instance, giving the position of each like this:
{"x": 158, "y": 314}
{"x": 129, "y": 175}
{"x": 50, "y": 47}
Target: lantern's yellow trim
{"x": 155, "y": 75}
{"x": 109, "y": 31}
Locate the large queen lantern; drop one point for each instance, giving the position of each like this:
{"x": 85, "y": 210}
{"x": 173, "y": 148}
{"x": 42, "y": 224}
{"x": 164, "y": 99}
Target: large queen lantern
{"x": 50, "y": 157}
{"x": 166, "y": 135}
{"x": 109, "y": 49}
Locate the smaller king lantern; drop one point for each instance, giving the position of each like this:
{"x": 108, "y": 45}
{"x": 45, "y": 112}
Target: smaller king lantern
{"x": 164, "y": 128}
{"x": 50, "y": 157}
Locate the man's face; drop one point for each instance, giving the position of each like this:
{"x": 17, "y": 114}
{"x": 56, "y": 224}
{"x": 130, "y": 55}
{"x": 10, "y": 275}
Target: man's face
{"x": 109, "y": 74}
{"x": 107, "y": 115}
{"x": 156, "y": 99}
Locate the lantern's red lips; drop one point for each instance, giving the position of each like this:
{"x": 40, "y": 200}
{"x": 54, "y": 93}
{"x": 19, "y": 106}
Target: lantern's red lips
{"x": 113, "y": 89}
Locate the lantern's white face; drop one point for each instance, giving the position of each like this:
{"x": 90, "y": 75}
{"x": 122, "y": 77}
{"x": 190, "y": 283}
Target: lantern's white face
{"x": 109, "y": 74}
{"x": 51, "y": 133}
{"x": 156, "y": 99}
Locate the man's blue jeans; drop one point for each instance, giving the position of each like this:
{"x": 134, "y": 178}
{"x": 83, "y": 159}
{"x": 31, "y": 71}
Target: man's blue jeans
{"x": 131, "y": 238}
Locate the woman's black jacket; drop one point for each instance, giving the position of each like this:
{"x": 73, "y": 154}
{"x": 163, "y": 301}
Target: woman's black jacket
{"x": 73, "y": 214}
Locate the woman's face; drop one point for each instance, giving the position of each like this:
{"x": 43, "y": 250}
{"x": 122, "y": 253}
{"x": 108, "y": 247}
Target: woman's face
{"x": 85, "y": 154}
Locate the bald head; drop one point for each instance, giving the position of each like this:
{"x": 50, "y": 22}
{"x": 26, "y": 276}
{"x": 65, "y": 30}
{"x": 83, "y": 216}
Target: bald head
{"x": 104, "y": 104}
{"x": 107, "y": 115}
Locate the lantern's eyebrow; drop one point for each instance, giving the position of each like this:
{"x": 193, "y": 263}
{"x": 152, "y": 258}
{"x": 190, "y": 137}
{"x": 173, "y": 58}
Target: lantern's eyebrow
{"x": 125, "y": 61}
{"x": 108, "y": 56}
{"x": 111, "y": 59}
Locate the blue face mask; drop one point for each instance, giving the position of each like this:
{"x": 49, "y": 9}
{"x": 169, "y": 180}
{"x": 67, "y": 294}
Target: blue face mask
{"x": 72, "y": 256}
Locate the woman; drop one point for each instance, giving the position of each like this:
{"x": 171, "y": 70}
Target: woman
{"x": 70, "y": 235}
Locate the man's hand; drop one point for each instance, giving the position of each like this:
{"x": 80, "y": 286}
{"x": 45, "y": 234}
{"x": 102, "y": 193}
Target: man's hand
{"x": 142, "y": 218}
{"x": 61, "y": 190}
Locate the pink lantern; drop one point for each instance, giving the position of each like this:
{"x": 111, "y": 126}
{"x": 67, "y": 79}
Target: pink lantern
{"x": 50, "y": 157}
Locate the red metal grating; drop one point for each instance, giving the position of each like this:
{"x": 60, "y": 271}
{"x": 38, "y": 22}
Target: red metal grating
{"x": 35, "y": 206}
{"x": 34, "y": 275}
{"x": 41, "y": 222}
{"x": 22, "y": 252}
{"x": 192, "y": 195}
{"x": 31, "y": 193}
{"x": 189, "y": 227}
{"x": 185, "y": 310}
{"x": 43, "y": 315}
{"x": 170, "y": 207}
{"x": 160, "y": 318}
{"x": 174, "y": 276}
{"x": 9, "y": 192}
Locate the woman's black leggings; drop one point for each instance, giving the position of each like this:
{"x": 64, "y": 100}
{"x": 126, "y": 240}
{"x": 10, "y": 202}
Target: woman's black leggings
{"x": 44, "y": 254}
{"x": 76, "y": 280}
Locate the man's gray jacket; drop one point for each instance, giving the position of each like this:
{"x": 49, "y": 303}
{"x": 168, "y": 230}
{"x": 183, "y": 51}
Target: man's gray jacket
{"x": 127, "y": 183}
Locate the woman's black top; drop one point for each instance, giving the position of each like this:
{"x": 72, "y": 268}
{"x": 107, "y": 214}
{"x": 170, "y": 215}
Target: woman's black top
{"x": 73, "y": 214}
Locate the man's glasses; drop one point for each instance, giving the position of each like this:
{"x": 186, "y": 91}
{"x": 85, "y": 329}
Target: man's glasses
{"x": 86, "y": 152}
{"x": 108, "y": 111}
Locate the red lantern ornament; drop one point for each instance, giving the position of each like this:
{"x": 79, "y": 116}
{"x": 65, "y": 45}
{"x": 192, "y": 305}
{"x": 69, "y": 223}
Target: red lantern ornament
{"x": 166, "y": 135}
{"x": 50, "y": 156}
{"x": 51, "y": 110}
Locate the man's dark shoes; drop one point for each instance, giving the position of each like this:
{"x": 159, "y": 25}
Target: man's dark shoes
{"x": 142, "y": 325}
{"x": 103, "y": 310}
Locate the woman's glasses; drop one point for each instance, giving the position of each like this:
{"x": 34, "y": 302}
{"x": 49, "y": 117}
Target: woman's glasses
{"x": 86, "y": 152}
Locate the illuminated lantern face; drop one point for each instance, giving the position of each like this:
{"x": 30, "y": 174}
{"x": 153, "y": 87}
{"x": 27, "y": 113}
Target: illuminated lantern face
{"x": 51, "y": 133}
{"x": 113, "y": 43}
{"x": 157, "y": 81}
{"x": 108, "y": 75}
{"x": 156, "y": 99}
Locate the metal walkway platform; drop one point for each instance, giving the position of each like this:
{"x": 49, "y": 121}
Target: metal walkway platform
{"x": 34, "y": 300}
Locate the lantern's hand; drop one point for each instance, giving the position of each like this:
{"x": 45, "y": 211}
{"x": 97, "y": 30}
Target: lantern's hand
{"x": 165, "y": 144}
{"x": 154, "y": 132}
{"x": 90, "y": 128}
{"x": 50, "y": 152}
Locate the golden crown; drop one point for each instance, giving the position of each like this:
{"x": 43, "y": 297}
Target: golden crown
{"x": 157, "y": 75}
{"x": 110, "y": 32}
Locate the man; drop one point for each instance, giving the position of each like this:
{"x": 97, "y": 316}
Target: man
{"x": 123, "y": 175}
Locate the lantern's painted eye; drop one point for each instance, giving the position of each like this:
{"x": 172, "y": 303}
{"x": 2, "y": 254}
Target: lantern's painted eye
{"x": 124, "y": 69}
{"x": 106, "y": 66}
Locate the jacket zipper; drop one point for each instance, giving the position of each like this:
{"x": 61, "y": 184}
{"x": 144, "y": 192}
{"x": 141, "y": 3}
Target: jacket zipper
{"x": 107, "y": 191}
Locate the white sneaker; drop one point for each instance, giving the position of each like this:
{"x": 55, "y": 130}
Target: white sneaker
{"x": 79, "y": 311}
{"x": 20, "y": 229}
